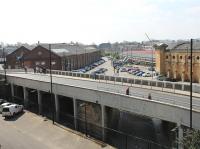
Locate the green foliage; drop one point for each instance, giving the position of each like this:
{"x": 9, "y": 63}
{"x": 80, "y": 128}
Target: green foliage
{"x": 116, "y": 55}
{"x": 191, "y": 140}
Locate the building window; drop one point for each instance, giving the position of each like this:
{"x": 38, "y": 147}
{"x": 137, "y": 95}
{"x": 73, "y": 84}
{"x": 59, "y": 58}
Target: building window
{"x": 39, "y": 53}
{"x": 167, "y": 57}
{"x": 197, "y": 57}
{"x": 53, "y": 63}
{"x": 37, "y": 63}
{"x": 188, "y": 57}
{"x": 181, "y": 57}
{"x": 173, "y": 57}
{"x": 42, "y": 63}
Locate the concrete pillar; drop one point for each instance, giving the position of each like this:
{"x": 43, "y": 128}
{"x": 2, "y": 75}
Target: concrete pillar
{"x": 182, "y": 87}
{"x": 156, "y": 83}
{"x": 25, "y": 97}
{"x": 134, "y": 81}
{"x": 57, "y": 105}
{"x": 12, "y": 91}
{"x": 173, "y": 86}
{"x": 182, "y": 77}
{"x": 164, "y": 85}
{"x": 180, "y": 136}
{"x": 149, "y": 83}
{"x": 103, "y": 121}
{"x": 75, "y": 113}
{"x": 39, "y": 101}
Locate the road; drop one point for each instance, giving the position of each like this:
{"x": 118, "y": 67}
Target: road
{"x": 170, "y": 98}
{"x": 29, "y": 131}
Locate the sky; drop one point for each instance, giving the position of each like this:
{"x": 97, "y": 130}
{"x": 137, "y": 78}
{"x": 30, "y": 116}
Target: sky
{"x": 97, "y": 21}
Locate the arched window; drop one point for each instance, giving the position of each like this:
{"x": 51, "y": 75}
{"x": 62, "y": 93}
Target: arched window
{"x": 181, "y": 57}
{"x": 173, "y": 57}
{"x": 197, "y": 57}
{"x": 166, "y": 56}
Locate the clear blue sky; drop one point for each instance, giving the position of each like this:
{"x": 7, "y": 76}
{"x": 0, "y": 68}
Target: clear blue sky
{"x": 97, "y": 21}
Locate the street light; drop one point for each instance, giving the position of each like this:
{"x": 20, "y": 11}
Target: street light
{"x": 85, "y": 106}
{"x": 51, "y": 88}
{"x": 191, "y": 46}
{"x": 4, "y": 60}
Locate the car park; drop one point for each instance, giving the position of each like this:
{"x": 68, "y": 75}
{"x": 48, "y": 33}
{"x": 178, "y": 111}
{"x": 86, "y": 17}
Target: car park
{"x": 12, "y": 110}
{"x": 3, "y": 105}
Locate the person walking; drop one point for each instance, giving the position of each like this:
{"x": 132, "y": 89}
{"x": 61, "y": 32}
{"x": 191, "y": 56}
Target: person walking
{"x": 149, "y": 96}
{"x": 127, "y": 91}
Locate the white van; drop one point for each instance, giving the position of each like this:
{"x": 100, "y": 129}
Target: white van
{"x": 3, "y": 105}
{"x": 11, "y": 110}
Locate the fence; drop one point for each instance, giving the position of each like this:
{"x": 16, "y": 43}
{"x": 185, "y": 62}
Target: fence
{"x": 155, "y": 84}
{"x": 161, "y": 85}
{"x": 113, "y": 137}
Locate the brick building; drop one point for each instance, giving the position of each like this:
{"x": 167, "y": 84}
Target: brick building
{"x": 64, "y": 57}
{"x": 16, "y": 58}
{"x": 39, "y": 56}
{"x": 174, "y": 61}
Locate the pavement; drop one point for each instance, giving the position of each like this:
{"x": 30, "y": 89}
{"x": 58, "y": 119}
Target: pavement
{"x": 30, "y": 131}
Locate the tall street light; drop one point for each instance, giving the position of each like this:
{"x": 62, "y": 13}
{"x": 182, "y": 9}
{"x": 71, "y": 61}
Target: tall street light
{"x": 191, "y": 46}
{"x": 4, "y": 60}
{"x": 51, "y": 88}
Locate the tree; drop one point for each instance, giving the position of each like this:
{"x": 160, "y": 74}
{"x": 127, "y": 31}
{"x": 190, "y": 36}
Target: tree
{"x": 191, "y": 140}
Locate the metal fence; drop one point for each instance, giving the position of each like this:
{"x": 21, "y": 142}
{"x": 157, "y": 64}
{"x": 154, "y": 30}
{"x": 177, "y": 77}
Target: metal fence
{"x": 111, "y": 136}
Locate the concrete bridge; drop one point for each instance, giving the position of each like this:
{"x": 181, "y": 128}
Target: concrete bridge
{"x": 108, "y": 95}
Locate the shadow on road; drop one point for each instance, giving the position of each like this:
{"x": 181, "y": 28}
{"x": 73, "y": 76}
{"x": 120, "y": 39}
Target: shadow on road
{"x": 14, "y": 118}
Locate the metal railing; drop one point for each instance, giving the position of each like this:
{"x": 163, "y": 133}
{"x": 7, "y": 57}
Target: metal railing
{"x": 157, "y": 85}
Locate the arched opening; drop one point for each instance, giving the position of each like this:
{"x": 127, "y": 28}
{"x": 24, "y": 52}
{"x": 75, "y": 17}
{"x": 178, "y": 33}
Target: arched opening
{"x": 195, "y": 79}
{"x": 178, "y": 77}
{"x": 187, "y": 79}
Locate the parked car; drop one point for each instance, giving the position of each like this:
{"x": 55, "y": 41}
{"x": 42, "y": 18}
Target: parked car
{"x": 140, "y": 73}
{"x": 2, "y": 101}
{"x": 161, "y": 78}
{"x": 12, "y": 110}
{"x": 123, "y": 69}
{"x": 147, "y": 74}
{"x": 151, "y": 69}
{"x": 82, "y": 70}
{"x": 3, "y": 105}
{"x": 136, "y": 72}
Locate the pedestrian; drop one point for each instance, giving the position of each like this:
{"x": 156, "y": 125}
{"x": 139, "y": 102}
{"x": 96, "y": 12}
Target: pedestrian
{"x": 34, "y": 69}
{"x": 149, "y": 96}
{"x": 127, "y": 91}
{"x": 25, "y": 69}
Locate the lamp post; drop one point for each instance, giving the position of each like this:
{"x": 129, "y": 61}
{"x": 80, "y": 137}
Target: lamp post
{"x": 191, "y": 46}
{"x": 51, "y": 88}
{"x": 4, "y": 60}
{"x": 85, "y": 106}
